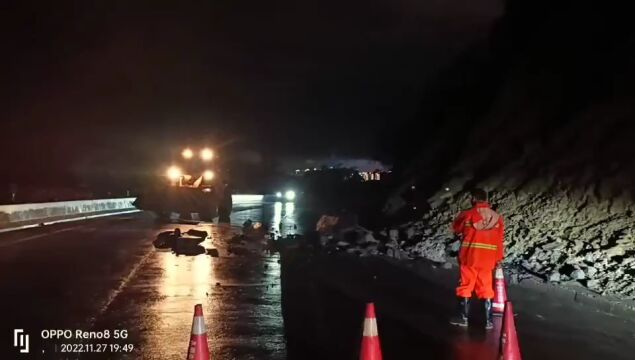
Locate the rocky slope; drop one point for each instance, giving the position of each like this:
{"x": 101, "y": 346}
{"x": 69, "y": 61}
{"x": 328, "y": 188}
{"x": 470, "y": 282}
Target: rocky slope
{"x": 554, "y": 146}
{"x": 557, "y": 236}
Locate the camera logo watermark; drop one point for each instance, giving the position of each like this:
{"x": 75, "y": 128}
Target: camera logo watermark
{"x": 21, "y": 340}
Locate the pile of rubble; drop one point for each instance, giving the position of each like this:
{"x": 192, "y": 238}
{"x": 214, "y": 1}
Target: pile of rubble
{"x": 343, "y": 234}
{"x": 403, "y": 243}
{"x": 187, "y": 243}
{"x": 558, "y": 237}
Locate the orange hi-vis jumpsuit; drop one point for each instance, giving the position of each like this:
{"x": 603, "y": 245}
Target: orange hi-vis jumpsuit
{"x": 482, "y": 231}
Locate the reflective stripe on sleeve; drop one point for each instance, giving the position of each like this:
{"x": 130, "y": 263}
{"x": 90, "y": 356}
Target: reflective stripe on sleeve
{"x": 480, "y": 246}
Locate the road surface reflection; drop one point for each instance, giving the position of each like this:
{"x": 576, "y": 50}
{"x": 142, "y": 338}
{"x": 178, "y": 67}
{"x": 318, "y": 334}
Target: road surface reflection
{"x": 280, "y": 216}
{"x": 240, "y": 295}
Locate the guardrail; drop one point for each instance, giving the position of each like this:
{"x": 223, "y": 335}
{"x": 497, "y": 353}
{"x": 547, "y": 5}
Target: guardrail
{"x": 17, "y": 215}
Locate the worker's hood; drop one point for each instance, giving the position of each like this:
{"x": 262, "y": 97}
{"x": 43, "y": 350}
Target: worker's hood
{"x": 489, "y": 217}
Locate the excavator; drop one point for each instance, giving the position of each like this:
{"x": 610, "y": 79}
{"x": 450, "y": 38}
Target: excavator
{"x": 189, "y": 191}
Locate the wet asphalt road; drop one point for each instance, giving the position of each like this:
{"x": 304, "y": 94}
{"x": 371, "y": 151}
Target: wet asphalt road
{"x": 106, "y": 275}
{"x": 414, "y": 301}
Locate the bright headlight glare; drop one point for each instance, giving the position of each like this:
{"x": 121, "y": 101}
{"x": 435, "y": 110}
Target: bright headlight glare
{"x": 174, "y": 173}
{"x": 207, "y": 154}
{"x": 187, "y": 153}
{"x": 289, "y": 195}
{"x": 208, "y": 175}
{"x": 278, "y": 194}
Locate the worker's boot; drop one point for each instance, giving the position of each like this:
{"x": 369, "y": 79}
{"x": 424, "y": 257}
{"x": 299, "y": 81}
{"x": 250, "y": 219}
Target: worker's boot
{"x": 460, "y": 319}
{"x": 489, "y": 324}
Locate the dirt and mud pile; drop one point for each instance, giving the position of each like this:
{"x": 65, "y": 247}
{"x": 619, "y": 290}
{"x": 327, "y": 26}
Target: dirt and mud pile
{"x": 554, "y": 145}
{"x": 557, "y": 236}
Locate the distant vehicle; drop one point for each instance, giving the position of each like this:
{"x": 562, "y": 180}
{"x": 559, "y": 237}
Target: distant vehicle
{"x": 288, "y": 195}
{"x": 191, "y": 190}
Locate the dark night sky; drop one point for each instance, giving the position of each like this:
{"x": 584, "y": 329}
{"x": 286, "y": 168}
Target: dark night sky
{"x": 110, "y": 81}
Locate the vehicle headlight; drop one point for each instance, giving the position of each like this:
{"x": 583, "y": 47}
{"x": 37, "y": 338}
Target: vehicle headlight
{"x": 278, "y": 194}
{"x": 289, "y": 195}
{"x": 208, "y": 175}
{"x": 174, "y": 173}
{"x": 187, "y": 153}
{"x": 207, "y": 154}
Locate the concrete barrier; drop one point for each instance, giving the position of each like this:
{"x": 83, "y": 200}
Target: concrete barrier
{"x": 24, "y": 214}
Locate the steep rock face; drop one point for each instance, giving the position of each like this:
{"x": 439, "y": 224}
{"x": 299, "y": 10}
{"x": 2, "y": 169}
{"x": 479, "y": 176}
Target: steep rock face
{"x": 556, "y": 148}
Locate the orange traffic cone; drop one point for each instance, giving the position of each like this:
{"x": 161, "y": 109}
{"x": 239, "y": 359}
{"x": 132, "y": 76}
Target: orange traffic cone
{"x": 371, "y": 350}
{"x": 500, "y": 292}
{"x": 509, "y": 349}
{"x": 198, "y": 349}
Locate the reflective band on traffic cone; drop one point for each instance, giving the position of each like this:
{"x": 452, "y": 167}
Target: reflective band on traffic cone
{"x": 198, "y": 349}
{"x": 500, "y": 292}
{"x": 509, "y": 348}
{"x": 371, "y": 350}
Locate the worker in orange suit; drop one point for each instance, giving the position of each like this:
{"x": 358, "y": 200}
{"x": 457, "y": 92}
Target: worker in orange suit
{"x": 482, "y": 231}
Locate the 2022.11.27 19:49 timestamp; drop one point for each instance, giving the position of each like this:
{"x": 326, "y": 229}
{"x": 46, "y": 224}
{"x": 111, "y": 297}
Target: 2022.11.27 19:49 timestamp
{"x": 96, "y": 348}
